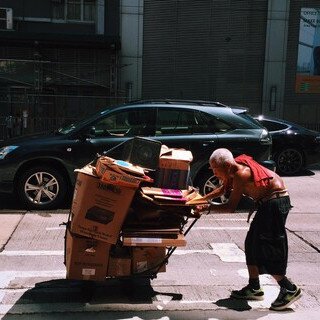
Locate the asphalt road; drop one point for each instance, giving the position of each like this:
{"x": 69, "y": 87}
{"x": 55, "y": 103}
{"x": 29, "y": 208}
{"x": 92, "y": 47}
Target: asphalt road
{"x": 198, "y": 277}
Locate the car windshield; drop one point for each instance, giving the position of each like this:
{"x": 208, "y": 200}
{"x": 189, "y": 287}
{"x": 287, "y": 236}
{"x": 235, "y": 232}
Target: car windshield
{"x": 71, "y": 126}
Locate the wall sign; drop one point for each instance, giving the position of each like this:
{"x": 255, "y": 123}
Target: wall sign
{"x": 308, "y": 64}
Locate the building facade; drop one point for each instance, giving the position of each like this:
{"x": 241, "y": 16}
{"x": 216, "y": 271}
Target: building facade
{"x": 251, "y": 53}
{"x": 64, "y": 59}
{"x": 58, "y": 60}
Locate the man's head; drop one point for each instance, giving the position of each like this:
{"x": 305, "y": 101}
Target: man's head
{"x": 220, "y": 162}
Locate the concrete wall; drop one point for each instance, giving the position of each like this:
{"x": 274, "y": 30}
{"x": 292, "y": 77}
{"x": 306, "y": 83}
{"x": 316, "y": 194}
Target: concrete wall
{"x": 131, "y": 31}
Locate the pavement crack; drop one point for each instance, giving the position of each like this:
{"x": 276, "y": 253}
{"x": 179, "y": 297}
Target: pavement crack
{"x": 304, "y": 240}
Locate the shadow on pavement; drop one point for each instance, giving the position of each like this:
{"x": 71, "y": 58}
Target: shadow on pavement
{"x": 111, "y": 291}
{"x": 11, "y": 202}
{"x": 242, "y": 305}
{"x": 233, "y": 304}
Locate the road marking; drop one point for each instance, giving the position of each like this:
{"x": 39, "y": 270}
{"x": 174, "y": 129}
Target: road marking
{"x": 13, "y": 253}
{"x": 181, "y": 252}
{"x": 56, "y": 228}
{"x": 228, "y": 252}
{"x": 220, "y": 228}
{"x": 227, "y": 219}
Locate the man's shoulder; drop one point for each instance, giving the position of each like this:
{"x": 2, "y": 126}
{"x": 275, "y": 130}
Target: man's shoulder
{"x": 243, "y": 173}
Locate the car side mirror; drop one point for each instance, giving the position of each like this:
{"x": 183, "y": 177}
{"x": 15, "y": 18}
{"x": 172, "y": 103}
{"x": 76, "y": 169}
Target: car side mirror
{"x": 89, "y": 133}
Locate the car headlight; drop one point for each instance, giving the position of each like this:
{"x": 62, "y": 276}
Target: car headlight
{"x": 6, "y": 150}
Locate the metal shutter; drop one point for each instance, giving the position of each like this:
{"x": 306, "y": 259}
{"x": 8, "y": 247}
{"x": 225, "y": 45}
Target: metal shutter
{"x": 204, "y": 49}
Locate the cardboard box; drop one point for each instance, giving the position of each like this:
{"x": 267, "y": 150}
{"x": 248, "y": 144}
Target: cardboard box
{"x": 86, "y": 259}
{"x": 180, "y": 241}
{"x": 119, "y": 266}
{"x": 116, "y": 175}
{"x": 148, "y": 258}
{"x": 119, "y": 261}
{"x": 99, "y": 208}
{"x": 174, "y": 169}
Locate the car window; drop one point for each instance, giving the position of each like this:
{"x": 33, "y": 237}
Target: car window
{"x": 180, "y": 121}
{"x": 273, "y": 126}
{"x": 128, "y": 123}
{"x": 216, "y": 124}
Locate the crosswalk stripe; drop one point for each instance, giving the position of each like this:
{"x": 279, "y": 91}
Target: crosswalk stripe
{"x": 12, "y": 253}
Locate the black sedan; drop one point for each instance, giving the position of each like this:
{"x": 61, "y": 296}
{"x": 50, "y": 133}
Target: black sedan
{"x": 293, "y": 147}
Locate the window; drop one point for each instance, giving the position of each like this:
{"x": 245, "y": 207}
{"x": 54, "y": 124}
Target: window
{"x": 216, "y": 124}
{"x": 128, "y": 123}
{"x": 179, "y": 121}
{"x": 74, "y": 10}
{"x": 273, "y": 126}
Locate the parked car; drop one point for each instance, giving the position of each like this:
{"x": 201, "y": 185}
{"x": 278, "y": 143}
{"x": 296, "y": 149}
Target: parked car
{"x": 40, "y": 168}
{"x": 293, "y": 146}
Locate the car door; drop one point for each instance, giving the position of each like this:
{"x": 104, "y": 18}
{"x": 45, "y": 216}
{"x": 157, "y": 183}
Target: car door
{"x": 186, "y": 128}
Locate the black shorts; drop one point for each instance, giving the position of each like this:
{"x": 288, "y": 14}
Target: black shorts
{"x": 266, "y": 244}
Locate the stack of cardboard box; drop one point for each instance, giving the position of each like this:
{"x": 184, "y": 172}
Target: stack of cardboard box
{"x": 116, "y": 228}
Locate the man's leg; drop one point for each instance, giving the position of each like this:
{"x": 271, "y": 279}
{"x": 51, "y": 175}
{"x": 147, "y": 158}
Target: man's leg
{"x": 289, "y": 293}
{"x": 252, "y": 291}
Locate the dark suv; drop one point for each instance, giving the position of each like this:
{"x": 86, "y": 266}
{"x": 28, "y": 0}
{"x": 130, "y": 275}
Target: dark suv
{"x": 40, "y": 168}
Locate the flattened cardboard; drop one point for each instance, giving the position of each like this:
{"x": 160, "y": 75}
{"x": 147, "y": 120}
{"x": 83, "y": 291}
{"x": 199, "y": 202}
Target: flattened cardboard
{"x": 130, "y": 176}
{"x": 86, "y": 259}
{"x": 154, "y": 191}
{"x": 148, "y": 259}
{"x": 99, "y": 208}
{"x": 180, "y": 241}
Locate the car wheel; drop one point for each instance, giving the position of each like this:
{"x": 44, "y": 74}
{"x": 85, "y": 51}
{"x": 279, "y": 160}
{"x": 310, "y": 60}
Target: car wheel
{"x": 207, "y": 182}
{"x": 289, "y": 161}
{"x": 42, "y": 188}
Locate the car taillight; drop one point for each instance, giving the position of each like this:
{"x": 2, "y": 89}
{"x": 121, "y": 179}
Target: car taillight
{"x": 265, "y": 137}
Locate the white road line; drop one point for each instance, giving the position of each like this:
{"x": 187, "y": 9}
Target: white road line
{"x": 14, "y": 253}
{"x": 182, "y": 252}
{"x": 220, "y": 228}
{"x": 228, "y": 252}
{"x": 227, "y": 219}
{"x": 56, "y": 228}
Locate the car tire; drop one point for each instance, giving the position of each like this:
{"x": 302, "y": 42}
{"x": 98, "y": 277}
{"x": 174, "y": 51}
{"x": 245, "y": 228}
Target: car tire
{"x": 206, "y": 183}
{"x": 289, "y": 161}
{"x": 42, "y": 188}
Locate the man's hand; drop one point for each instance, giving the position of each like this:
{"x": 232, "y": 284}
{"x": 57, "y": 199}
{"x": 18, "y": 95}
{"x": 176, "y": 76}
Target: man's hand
{"x": 202, "y": 207}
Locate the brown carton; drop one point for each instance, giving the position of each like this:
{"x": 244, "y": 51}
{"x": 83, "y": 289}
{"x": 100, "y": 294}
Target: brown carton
{"x": 86, "y": 258}
{"x": 119, "y": 261}
{"x": 174, "y": 169}
{"x": 119, "y": 266}
{"x": 148, "y": 259}
{"x": 100, "y": 208}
